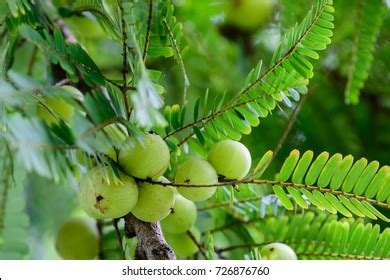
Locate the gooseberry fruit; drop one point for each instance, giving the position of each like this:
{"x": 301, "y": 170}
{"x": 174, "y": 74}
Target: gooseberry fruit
{"x": 101, "y": 195}
{"x": 148, "y": 159}
{"x": 58, "y": 106}
{"x": 196, "y": 171}
{"x": 111, "y": 137}
{"x": 155, "y": 202}
{"x": 182, "y": 244}
{"x": 248, "y": 15}
{"x": 77, "y": 239}
{"x": 277, "y": 251}
{"x": 182, "y": 217}
{"x": 230, "y": 159}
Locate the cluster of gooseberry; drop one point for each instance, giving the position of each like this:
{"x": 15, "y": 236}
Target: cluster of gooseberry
{"x": 105, "y": 195}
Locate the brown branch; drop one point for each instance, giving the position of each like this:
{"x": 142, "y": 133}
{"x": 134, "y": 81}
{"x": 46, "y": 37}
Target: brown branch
{"x": 199, "y": 245}
{"x": 151, "y": 243}
{"x": 272, "y": 183}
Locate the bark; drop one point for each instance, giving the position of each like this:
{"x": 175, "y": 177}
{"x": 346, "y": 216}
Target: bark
{"x": 151, "y": 243}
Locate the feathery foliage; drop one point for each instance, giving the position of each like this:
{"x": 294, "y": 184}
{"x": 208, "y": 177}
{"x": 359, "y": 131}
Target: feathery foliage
{"x": 125, "y": 75}
{"x": 366, "y": 33}
{"x": 320, "y": 236}
{"x": 286, "y": 78}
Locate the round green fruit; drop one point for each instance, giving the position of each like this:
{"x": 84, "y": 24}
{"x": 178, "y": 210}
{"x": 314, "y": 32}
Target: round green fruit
{"x": 110, "y": 138}
{"x": 155, "y": 202}
{"x": 148, "y": 159}
{"x": 182, "y": 244}
{"x": 230, "y": 159}
{"x": 101, "y": 195}
{"x": 56, "y": 106}
{"x": 196, "y": 171}
{"x": 248, "y": 15}
{"x": 77, "y": 239}
{"x": 277, "y": 251}
{"x": 182, "y": 217}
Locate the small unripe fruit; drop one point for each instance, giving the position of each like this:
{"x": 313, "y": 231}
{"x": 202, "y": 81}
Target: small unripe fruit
{"x": 155, "y": 202}
{"x": 77, "y": 240}
{"x": 196, "y": 171}
{"x": 277, "y": 251}
{"x": 182, "y": 217}
{"x": 182, "y": 244}
{"x": 111, "y": 137}
{"x": 103, "y": 196}
{"x": 58, "y": 106}
{"x": 230, "y": 159}
{"x": 248, "y": 15}
{"x": 144, "y": 160}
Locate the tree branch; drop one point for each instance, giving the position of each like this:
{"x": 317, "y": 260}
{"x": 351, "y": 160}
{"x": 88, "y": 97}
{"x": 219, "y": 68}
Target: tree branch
{"x": 151, "y": 243}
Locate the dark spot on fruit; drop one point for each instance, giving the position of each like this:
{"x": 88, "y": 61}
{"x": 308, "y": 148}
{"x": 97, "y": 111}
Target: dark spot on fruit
{"x": 172, "y": 210}
{"x": 98, "y": 205}
{"x": 272, "y": 249}
{"x": 187, "y": 181}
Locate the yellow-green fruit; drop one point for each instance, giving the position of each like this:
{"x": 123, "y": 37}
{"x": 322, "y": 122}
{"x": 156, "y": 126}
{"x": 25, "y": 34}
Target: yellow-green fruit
{"x": 110, "y": 138}
{"x": 56, "y": 106}
{"x": 196, "y": 171}
{"x": 182, "y": 217}
{"x": 103, "y": 196}
{"x": 230, "y": 159}
{"x": 277, "y": 251}
{"x": 248, "y": 15}
{"x": 182, "y": 244}
{"x": 77, "y": 239}
{"x": 155, "y": 202}
{"x": 148, "y": 159}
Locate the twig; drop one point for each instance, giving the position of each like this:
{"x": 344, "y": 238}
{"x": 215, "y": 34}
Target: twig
{"x": 118, "y": 234}
{"x": 272, "y": 183}
{"x": 147, "y": 40}
{"x": 227, "y": 203}
{"x": 31, "y": 63}
{"x": 200, "y": 247}
{"x": 288, "y": 127}
{"x": 179, "y": 59}
{"x": 62, "y": 82}
{"x": 125, "y": 68}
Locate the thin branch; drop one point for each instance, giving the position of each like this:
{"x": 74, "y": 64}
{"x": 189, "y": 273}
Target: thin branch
{"x": 125, "y": 68}
{"x": 118, "y": 234}
{"x": 147, "y": 36}
{"x": 200, "y": 247}
{"x": 179, "y": 59}
{"x": 272, "y": 183}
{"x": 62, "y": 82}
{"x": 33, "y": 58}
{"x": 288, "y": 127}
{"x": 237, "y": 223}
{"x": 228, "y": 204}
